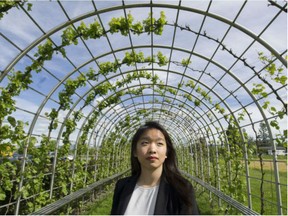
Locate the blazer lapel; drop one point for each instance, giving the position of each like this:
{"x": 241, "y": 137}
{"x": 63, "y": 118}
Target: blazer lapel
{"x": 126, "y": 194}
{"x": 162, "y": 198}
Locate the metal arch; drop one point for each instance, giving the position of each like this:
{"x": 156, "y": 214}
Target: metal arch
{"x": 103, "y": 81}
{"x": 167, "y": 128}
{"x": 115, "y": 105}
{"x": 222, "y": 129}
{"x": 186, "y": 92}
{"x": 93, "y": 59}
{"x": 174, "y": 136}
{"x": 222, "y": 19}
{"x": 234, "y": 111}
{"x": 106, "y": 117}
{"x": 74, "y": 153}
{"x": 132, "y": 48}
{"x": 248, "y": 47}
{"x": 194, "y": 110}
{"x": 174, "y": 48}
{"x": 132, "y": 87}
{"x": 95, "y": 144}
{"x": 122, "y": 73}
{"x": 78, "y": 68}
{"x": 182, "y": 137}
{"x": 189, "y": 126}
{"x": 244, "y": 150}
{"x": 158, "y": 95}
{"x": 120, "y": 115}
{"x": 46, "y": 99}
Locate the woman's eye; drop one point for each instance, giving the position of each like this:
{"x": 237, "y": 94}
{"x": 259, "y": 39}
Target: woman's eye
{"x": 144, "y": 143}
{"x": 159, "y": 144}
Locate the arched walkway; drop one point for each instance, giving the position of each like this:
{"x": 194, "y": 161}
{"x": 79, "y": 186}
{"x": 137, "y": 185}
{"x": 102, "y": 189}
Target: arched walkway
{"x": 78, "y": 78}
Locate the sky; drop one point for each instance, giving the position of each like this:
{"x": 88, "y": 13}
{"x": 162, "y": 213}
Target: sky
{"x": 20, "y": 29}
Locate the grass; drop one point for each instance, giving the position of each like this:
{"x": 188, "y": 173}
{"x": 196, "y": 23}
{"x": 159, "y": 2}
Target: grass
{"x": 205, "y": 205}
{"x": 100, "y": 207}
{"x": 268, "y": 187}
{"x": 269, "y": 191}
{"x": 210, "y": 207}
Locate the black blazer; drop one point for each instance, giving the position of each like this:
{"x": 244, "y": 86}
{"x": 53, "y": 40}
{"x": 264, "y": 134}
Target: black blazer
{"x": 167, "y": 202}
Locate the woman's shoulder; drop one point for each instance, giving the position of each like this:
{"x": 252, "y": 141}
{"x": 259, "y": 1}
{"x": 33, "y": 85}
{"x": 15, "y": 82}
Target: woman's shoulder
{"x": 126, "y": 180}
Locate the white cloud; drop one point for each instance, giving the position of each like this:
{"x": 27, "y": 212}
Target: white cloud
{"x": 21, "y": 28}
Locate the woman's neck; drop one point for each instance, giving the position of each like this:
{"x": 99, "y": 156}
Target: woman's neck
{"x": 149, "y": 178}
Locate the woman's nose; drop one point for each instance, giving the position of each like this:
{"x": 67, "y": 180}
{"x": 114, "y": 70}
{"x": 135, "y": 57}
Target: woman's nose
{"x": 152, "y": 148}
{"x": 152, "y": 151}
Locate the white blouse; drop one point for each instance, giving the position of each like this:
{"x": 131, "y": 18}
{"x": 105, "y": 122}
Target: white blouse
{"x": 142, "y": 201}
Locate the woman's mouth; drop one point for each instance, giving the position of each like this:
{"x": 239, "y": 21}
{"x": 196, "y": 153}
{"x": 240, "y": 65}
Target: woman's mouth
{"x": 152, "y": 158}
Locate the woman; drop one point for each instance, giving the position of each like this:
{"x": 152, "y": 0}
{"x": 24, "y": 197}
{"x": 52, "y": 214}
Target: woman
{"x": 156, "y": 185}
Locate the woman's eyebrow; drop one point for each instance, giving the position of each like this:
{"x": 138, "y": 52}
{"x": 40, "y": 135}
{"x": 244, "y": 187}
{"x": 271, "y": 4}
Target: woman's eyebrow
{"x": 149, "y": 138}
{"x": 160, "y": 139}
{"x": 145, "y": 137}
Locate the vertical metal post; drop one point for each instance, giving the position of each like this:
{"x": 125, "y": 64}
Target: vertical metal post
{"x": 247, "y": 177}
{"x": 87, "y": 161}
{"x": 196, "y": 162}
{"x": 209, "y": 170}
{"x": 276, "y": 170}
{"x": 17, "y": 207}
{"x": 277, "y": 180}
{"x": 218, "y": 174}
{"x": 201, "y": 161}
{"x": 96, "y": 157}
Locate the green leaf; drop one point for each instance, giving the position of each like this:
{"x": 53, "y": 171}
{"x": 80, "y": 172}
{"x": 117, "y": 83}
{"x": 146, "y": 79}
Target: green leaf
{"x": 283, "y": 80}
{"x": 29, "y": 7}
{"x": 2, "y": 194}
{"x": 186, "y": 62}
{"x": 265, "y": 105}
{"x": 274, "y": 123}
{"x": 273, "y": 109}
{"x": 285, "y": 133}
{"x": 11, "y": 120}
{"x": 162, "y": 60}
{"x": 197, "y": 103}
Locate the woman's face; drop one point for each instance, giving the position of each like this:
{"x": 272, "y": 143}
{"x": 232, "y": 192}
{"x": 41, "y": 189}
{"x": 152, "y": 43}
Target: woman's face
{"x": 151, "y": 149}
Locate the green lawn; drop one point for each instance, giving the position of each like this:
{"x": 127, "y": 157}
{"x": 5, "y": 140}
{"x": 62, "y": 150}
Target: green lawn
{"x": 100, "y": 207}
{"x": 205, "y": 206}
{"x": 269, "y": 191}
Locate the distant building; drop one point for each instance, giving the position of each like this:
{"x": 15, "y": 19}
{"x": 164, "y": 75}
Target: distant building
{"x": 269, "y": 150}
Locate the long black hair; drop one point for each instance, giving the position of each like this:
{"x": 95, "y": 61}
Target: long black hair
{"x": 170, "y": 171}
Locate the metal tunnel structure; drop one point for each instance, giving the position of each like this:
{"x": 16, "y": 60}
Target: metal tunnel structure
{"x": 79, "y": 77}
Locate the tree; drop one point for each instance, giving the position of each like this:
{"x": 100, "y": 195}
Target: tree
{"x": 263, "y": 136}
